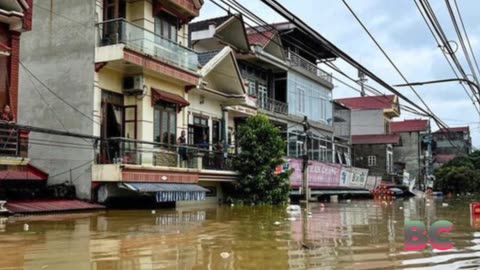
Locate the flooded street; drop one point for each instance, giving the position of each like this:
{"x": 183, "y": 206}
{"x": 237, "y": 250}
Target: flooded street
{"x": 355, "y": 235}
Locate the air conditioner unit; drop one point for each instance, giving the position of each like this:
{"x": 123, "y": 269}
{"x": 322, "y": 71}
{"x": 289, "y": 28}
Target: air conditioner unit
{"x": 133, "y": 86}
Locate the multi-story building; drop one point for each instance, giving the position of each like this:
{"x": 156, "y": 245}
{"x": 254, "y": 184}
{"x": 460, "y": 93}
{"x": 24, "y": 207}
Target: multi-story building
{"x": 19, "y": 179}
{"x": 342, "y": 124}
{"x": 282, "y": 79}
{"x": 410, "y": 154}
{"x": 450, "y": 143}
{"x": 122, "y": 71}
{"x": 372, "y": 139}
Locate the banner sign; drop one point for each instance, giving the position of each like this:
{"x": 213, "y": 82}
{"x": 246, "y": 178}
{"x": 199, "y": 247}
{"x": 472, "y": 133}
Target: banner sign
{"x": 327, "y": 175}
{"x": 319, "y": 174}
{"x": 359, "y": 178}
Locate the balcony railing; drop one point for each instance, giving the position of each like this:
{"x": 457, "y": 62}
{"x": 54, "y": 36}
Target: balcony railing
{"x": 272, "y": 105}
{"x": 297, "y": 60}
{"x": 133, "y": 152}
{"x": 13, "y": 142}
{"x": 119, "y": 31}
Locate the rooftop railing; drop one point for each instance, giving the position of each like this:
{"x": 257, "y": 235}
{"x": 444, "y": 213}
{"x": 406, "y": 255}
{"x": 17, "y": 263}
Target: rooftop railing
{"x": 297, "y": 60}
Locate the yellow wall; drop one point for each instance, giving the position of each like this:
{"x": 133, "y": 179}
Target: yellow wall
{"x": 111, "y": 80}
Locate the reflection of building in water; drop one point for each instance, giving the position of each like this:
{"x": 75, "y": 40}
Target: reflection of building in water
{"x": 181, "y": 218}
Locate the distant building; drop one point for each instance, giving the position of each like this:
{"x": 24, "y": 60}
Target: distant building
{"x": 372, "y": 140}
{"x": 450, "y": 143}
{"x": 342, "y": 126}
{"x": 409, "y": 155}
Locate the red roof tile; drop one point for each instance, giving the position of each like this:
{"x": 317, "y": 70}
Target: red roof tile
{"x": 376, "y": 139}
{"x": 50, "y": 206}
{"x": 454, "y": 129}
{"x": 368, "y": 103}
{"x": 24, "y": 173}
{"x": 444, "y": 158}
{"x": 262, "y": 38}
{"x": 409, "y": 126}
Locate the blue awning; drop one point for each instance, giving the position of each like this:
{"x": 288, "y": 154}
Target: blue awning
{"x": 166, "y": 192}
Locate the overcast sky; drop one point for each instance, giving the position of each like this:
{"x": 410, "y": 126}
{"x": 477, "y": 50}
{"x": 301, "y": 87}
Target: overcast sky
{"x": 401, "y": 31}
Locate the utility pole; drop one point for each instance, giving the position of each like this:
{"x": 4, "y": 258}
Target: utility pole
{"x": 306, "y": 188}
{"x": 428, "y": 156}
{"x": 362, "y": 80}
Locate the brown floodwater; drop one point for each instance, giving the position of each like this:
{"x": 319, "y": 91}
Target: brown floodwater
{"x": 345, "y": 235}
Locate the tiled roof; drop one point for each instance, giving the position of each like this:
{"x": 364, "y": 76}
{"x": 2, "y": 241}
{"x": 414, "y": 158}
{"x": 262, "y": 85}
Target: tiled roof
{"x": 203, "y": 25}
{"x": 368, "y": 103}
{"x": 49, "y": 206}
{"x": 415, "y": 125}
{"x": 260, "y": 37}
{"x": 204, "y": 58}
{"x": 454, "y": 129}
{"x": 376, "y": 139}
{"x": 444, "y": 158}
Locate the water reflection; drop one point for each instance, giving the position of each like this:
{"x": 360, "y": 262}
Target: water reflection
{"x": 356, "y": 235}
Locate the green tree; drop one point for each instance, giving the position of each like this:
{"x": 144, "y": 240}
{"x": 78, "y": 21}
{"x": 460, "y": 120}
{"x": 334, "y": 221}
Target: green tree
{"x": 262, "y": 151}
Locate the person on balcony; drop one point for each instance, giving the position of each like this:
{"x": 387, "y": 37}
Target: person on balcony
{"x": 204, "y": 143}
{"x": 182, "y": 151}
{"x": 219, "y": 155}
{"x": 7, "y": 115}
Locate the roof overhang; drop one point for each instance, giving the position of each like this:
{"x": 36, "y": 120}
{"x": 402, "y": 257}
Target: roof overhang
{"x": 222, "y": 74}
{"x": 233, "y": 32}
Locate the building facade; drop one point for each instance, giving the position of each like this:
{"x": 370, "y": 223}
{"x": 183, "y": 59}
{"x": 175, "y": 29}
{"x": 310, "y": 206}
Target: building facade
{"x": 130, "y": 74}
{"x": 372, "y": 140}
{"x": 19, "y": 178}
{"x": 411, "y": 154}
{"x": 450, "y": 143}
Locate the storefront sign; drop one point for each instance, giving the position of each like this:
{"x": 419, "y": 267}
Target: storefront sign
{"x": 359, "y": 178}
{"x": 319, "y": 174}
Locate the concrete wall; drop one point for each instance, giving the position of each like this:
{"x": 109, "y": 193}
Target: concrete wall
{"x": 60, "y": 52}
{"x": 360, "y": 158}
{"x": 368, "y": 122}
{"x": 409, "y": 153}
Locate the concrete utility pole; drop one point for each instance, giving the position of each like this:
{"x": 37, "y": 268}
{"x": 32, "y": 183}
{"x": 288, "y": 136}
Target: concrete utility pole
{"x": 362, "y": 80}
{"x": 306, "y": 188}
{"x": 428, "y": 156}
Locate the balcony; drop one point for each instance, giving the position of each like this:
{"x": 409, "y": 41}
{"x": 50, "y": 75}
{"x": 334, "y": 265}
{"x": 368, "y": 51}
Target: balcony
{"x": 119, "y": 31}
{"x": 13, "y": 142}
{"x": 123, "y": 151}
{"x": 272, "y": 105}
{"x": 298, "y": 61}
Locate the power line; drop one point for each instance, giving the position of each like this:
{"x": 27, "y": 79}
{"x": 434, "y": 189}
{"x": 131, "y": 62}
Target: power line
{"x": 385, "y": 54}
{"x": 462, "y": 43}
{"x": 466, "y": 35}
{"x": 446, "y": 58}
{"x": 56, "y": 95}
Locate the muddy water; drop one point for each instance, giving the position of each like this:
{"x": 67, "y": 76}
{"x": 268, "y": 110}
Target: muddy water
{"x": 355, "y": 235}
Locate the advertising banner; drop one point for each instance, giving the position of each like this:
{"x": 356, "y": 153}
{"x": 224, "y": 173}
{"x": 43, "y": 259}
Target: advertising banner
{"x": 345, "y": 177}
{"x": 319, "y": 174}
{"x": 359, "y": 178}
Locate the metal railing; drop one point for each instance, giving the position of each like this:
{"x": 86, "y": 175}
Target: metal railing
{"x": 272, "y": 105}
{"x": 13, "y": 142}
{"x": 133, "y": 152}
{"x": 120, "y": 31}
{"x": 297, "y": 60}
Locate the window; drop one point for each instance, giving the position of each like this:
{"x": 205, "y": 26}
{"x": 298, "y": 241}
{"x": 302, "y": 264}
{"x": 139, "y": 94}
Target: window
{"x": 200, "y": 131}
{"x": 389, "y": 162}
{"x": 262, "y": 95}
{"x": 301, "y": 100}
{"x": 372, "y": 161}
{"x": 216, "y": 131}
{"x": 252, "y": 88}
{"x": 165, "y": 124}
{"x": 166, "y": 25}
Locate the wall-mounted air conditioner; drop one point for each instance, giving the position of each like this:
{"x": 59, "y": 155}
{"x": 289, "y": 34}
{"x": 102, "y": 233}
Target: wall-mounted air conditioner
{"x": 133, "y": 86}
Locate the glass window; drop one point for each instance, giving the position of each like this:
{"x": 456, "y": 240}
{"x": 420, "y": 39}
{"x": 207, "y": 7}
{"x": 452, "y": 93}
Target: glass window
{"x": 372, "y": 161}
{"x": 252, "y": 88}
{"x": 166, "y": 25}
{"x": 301, "y": 100}
{"x": 165, "y": 125}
